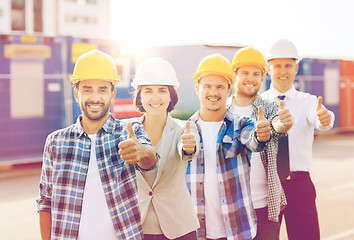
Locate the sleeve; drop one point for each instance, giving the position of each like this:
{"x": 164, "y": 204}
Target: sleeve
{"x": 141, "y": 135}
{"x": 46, "y": 182}
{"x": 142, "y": 138}
{"x": 248, "y": 135}
{"x": 194, "y": 132}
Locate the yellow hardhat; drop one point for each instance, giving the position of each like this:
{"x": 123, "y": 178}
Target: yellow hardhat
{"x": 215, "y": 64}
{"x": 248, "y": 56}
{"x": 95, "y": 65}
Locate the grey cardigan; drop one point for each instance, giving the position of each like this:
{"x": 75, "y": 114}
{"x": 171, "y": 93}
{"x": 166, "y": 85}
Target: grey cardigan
{"x": 169, "y": 193}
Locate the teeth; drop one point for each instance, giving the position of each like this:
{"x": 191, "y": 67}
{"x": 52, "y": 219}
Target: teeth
{"x": 249, "y": 85}
{"x": 155, "y": 105}
{"x": 94, "y": 106}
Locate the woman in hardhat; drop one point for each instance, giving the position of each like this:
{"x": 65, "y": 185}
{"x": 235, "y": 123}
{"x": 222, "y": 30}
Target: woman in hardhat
{"x": 166, "y": 205}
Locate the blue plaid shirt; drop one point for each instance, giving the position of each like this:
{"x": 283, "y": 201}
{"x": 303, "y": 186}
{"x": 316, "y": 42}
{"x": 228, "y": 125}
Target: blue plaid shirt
{"x": 235, "y": 140}
{"x": 65, "y": 164}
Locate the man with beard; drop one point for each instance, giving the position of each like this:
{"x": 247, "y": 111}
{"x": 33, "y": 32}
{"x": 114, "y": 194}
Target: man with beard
{"x": 267, "y": 193}
{"x": 219, "y": 178}
{"x": 88, "y": 182}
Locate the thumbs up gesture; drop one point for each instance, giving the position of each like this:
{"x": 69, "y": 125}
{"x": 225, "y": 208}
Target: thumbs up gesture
{"x": 130, "y": 149}
{"x": 188, "y": 140}
{"x": 285, "y": 118}
{"x": 322, "y": 113}
{"x": 262, "y": 127}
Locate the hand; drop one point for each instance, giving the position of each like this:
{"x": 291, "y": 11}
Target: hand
{"x": 262, "y": 127}
{"x": 322, "y": 114}
{"x": 130, "y": 150}
{"x": 188, "y": 140}
{"x": 285, "y": 117}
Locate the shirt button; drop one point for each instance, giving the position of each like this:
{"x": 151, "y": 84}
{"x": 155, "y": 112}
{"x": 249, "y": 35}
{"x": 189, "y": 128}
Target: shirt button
{"x": 84, "y": 167}
{"x": 150, "y": 193}
{"x": 87, "y": 146}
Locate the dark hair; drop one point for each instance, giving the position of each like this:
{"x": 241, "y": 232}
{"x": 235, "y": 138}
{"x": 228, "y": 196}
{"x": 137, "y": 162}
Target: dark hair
{"x": 139, "y": 106}
{"x": 76, "y": 85}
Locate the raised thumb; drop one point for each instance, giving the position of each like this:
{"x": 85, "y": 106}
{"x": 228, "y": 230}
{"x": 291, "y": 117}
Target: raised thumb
{"x": 281, "y": 105}
{"x": 130, "y": 131}
{"x": 260, "y": 113}
{"x": 188, "y": 127}
{"x": 319, "y": 103}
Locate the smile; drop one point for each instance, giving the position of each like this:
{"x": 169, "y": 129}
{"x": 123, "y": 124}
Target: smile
{"x": 155, "y": 105}
{"x": 213, "y": 99}
{"x": 94, "y": 106}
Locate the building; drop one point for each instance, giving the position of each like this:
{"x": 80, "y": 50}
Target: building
{"x": 76, "y": 18}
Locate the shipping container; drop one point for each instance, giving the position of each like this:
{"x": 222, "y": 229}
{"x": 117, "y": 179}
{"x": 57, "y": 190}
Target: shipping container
{"x": 321, "y": 78}
{"x": 346, "y": 94}
{"x": 36, "y": 95}
{"x": 31, "y": 95}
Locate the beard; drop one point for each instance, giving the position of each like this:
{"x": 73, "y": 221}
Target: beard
{"x": 95, "y": 116}
{"x": 249, "y": 95}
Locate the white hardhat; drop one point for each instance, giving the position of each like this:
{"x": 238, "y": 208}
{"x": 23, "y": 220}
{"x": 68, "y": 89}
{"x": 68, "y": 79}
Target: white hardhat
{"x": 282, "y": 49}
{"x": 155, "y": 71}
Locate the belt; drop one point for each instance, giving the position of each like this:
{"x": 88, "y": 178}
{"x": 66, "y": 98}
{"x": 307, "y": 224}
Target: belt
{"x": 297, "y": 175}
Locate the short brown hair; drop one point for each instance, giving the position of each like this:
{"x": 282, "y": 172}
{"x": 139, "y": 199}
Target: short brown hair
{"x": 139, "y": 106}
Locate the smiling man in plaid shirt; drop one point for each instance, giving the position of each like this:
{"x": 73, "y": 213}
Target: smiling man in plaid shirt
{"x": 88, "y": 184}
{"x": 267, "y": 193}
{"x": 219, "y": 178}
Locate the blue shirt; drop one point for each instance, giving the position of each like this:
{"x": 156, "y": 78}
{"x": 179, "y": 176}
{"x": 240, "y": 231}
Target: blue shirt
{"x": 235, "y": 141}
{"x": 65, "y": 164}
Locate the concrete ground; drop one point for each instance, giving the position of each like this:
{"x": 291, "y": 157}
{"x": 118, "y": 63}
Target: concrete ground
{"x": 333, "y": 175}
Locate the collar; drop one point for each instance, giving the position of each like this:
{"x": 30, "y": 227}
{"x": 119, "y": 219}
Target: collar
{"x": 168, "y": 124}
{"x": 228, "y": 118}
{"x": 273, "y": 93}
{"x": 108, "y": 126}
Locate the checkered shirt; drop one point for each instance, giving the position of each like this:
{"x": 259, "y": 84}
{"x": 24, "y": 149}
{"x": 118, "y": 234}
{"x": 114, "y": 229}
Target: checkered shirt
{"x": 65, "y": 164}
{"x": 235, "y": 140}
{"x": 276, "y": 195}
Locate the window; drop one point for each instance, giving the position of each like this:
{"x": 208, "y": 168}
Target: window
{"x": 37, "y": 15}
{"x": 18, "y": 17}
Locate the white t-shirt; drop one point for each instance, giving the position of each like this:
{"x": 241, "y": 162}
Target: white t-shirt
{"x": 96, "y": 221}
{"x": 213, "y": 216}
{"x": 259, "y": 183}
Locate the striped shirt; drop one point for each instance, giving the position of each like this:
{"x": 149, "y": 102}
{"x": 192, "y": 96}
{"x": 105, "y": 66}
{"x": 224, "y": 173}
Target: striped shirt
{"x": 235, "y": 141}
{"x": 65, "y": 164}
{"x": 276, "y": 196}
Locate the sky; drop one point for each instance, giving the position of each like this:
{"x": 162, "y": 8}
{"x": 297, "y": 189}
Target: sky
{"x": 319, "y": 28}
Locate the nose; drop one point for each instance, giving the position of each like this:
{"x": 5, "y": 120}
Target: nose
{"x": 213, "y": 91}
{"x": 95, "y": 97}
{"x": 283, "y": 70}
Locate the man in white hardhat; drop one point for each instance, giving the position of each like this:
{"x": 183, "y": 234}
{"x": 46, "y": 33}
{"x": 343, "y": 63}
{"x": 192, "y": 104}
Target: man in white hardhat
{"x": 294, "y": 165}
{"x": 88, "y": 181}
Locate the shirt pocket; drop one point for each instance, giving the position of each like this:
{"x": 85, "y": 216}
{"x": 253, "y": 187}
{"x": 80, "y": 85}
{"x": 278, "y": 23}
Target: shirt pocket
{"x": 230, "y": 146}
